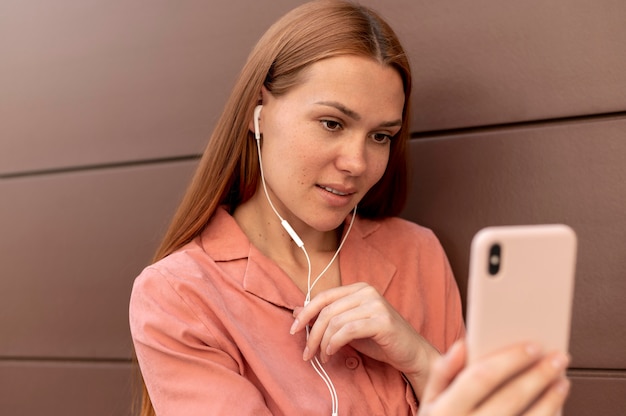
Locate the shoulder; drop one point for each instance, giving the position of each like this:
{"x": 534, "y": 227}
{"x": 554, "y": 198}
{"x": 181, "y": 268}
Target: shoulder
{"x": 394, "y": 232}
{"x": 183, "y": 264}
{"x": 412, "y": 248}
{"x": 181, "y": 276}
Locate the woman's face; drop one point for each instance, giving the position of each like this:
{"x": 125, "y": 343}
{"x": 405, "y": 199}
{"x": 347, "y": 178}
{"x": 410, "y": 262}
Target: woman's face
{"x": 326, "y": 142}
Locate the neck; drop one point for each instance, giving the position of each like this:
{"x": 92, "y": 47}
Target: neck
{"x": 263, "y": 228}
{"x": 265, "y": 232}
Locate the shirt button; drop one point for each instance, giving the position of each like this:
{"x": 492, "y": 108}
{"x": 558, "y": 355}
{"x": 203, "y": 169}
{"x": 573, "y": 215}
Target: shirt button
{"x": 352, "y": 362}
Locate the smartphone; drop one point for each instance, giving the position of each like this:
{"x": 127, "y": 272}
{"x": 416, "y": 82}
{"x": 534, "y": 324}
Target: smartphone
{"x": 520, "y": 288}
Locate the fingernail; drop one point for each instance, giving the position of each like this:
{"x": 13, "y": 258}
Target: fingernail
{"x": 560, "y": 361}
{"x": 295, "y": 324}
{"x": 305, "y": 354}
{"x": 533, "y": 349}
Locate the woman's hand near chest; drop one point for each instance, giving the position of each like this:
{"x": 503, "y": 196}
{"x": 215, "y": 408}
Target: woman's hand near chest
{"x": 357, "y": 315}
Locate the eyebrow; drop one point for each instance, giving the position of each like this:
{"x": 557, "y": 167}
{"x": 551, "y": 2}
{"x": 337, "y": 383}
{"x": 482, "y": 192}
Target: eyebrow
{"x": 354, "y": 115}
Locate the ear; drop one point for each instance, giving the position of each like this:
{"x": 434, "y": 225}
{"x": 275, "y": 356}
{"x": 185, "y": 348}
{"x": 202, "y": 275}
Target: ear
{"x": 255, "y": 121}
{"x": 264, "y": 97}
{"x": 252, "y": 127}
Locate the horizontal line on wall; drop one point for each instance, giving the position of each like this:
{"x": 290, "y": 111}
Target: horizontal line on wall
{"x": 517, "y": 125}
{"x": 98, "y": 166}
{"x": 64, "y": 360}
{"x": 417, "y": 135}
{"x": 597, "y": 372}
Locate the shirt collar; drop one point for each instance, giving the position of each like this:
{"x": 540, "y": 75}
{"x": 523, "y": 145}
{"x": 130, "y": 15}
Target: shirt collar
{"x": 359, "y": 261}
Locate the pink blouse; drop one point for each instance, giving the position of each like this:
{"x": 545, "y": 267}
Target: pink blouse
{"x": 210, "y": 324}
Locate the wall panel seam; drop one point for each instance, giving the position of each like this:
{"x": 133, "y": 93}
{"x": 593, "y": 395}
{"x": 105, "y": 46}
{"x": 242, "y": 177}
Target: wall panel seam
{"x": 98, "y": 166}
{"x": 65, "y": 360}
{"x": 518, "y": 125}
{"x": 597, "y": 373}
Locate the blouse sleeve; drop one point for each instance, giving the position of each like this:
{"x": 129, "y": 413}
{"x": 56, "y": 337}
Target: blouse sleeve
{"x": 185, "y": 365}
{"x": 442, "y": 321}
{"x": 455, "y": 326}
{"x": 449, "y": 311}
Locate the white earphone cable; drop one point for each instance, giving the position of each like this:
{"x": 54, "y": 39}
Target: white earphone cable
{"x": 317, "y": 366}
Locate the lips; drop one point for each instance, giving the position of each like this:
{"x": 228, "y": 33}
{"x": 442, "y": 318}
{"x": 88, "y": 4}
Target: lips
{"x": 335, "y": 191}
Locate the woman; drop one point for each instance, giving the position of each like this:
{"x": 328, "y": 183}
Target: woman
{"x": 285, "y": 285}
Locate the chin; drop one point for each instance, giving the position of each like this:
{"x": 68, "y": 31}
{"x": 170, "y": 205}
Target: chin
{"x": 326, "y": 226}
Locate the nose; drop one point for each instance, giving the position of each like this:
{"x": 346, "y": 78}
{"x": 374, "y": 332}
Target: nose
{"x": 351, "y": 157}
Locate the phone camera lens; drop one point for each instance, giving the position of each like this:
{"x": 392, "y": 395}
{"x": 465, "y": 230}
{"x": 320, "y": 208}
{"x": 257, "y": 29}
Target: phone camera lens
{"x": 494, "y": 259}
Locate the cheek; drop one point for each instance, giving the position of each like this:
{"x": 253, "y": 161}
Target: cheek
{"x": 378, "y": 165}
{"x": 292, "y": 154}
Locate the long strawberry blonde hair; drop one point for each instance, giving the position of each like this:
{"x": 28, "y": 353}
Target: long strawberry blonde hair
{"x": 228, "y": 173}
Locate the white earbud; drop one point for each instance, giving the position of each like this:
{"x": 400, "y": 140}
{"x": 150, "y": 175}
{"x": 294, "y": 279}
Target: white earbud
{"x": 257, "y": 114}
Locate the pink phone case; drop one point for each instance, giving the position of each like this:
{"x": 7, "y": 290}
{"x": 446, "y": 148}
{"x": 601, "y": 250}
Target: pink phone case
{"x": 522, "y": 293}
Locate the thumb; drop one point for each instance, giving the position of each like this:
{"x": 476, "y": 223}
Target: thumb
{"x": 444, "y": 370}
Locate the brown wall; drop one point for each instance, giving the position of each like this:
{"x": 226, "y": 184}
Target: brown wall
{"x": 519, "y": 116}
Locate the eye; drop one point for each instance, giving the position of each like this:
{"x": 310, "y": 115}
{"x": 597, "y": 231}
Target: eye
{"x": 331, "y": 125}
{"x": 381, "y": 138}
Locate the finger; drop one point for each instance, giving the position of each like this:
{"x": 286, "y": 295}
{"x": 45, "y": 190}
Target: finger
{"x": 552, "y": 401}
{"x": 520, "y": 392}
{"x": 376, "y": 330}
{"x": 444, "y": 370}
{"x": 319, "y": 302}
{"x": 362, "y": 314}
{"x": 344, "y": 329}
{"x": 338, "y": 312}
{"x": 480, "y": 380}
